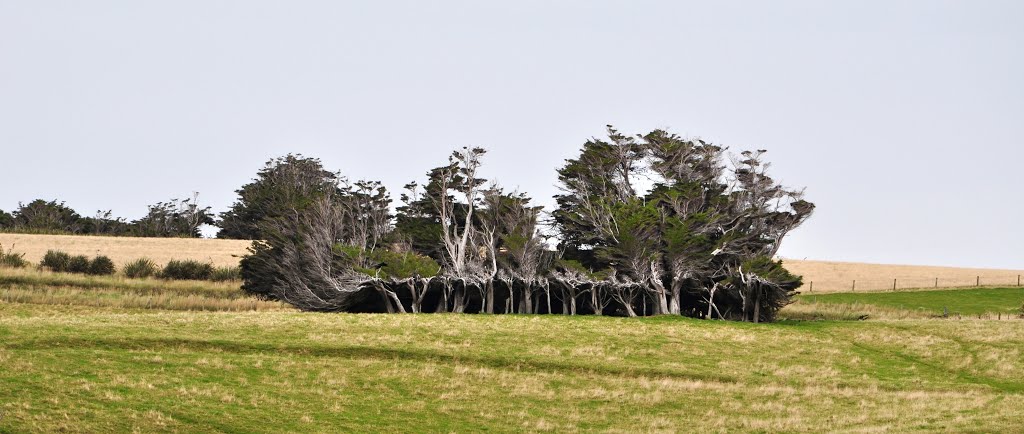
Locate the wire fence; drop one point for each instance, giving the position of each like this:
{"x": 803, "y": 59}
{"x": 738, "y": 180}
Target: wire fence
{"x": 875, "y": 284}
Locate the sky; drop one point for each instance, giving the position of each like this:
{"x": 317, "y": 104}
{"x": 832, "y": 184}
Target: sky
{"x": 904, "y": 120}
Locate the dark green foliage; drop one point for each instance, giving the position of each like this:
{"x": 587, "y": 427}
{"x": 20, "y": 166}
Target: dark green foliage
{"x": 284, "y": 184}
{"x": 104, "y": 223}
{"x": 224, "y": 274}
{"x": 187, "y": 270}
{"x": 258, "y": 272}
{"x": 102, "y": 266}
{"x": 40, "y": 216}
{"x": 56, "y": 260}
{"x": 78, "y": 264}
{"x": 386, "y": 264}
{"x": 140, "y": 268}
{"x": 6, "y": 220}
{"x": 10, "y": 259}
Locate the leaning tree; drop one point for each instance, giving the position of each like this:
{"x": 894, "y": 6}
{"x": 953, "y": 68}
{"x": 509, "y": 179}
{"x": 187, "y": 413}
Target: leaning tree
{"x": 700, "y": 240}
{"x": 647, "y": 224}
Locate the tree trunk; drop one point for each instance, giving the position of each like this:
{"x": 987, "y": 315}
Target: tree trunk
{"x": 526, "y": 301}
{"x": 489, "y": 295}
{"x": 629, "y": 309}
{"x": 414, "y": 290}
{"x": 595, "y": 300}
{"x": 711, "y": 300}
{"x": 547, "y": 291}
{"x": 459, "y": 297}
{"x": 446, "y": 290}
{"x": 675, "y": 302}
{"x": 757, "y": 304}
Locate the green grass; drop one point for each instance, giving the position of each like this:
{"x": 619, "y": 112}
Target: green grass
{"x": 84, "y": 367}
{"x": 971, "y": 301}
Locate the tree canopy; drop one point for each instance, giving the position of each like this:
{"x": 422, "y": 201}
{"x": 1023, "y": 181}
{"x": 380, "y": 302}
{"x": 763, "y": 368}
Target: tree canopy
{"x": 645, "y": 224}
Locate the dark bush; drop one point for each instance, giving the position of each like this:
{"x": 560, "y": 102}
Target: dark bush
{"x": 188, "y": 269}
{"x": 102, "y": 266}
{"x": 258, "y": 276}
{"x": 78, "y": 264}
{"x": 223, "y": 274}
{"x": 140, "y": 268}
{"x": 56, "y": 260}
{"x": 11, "y": 259}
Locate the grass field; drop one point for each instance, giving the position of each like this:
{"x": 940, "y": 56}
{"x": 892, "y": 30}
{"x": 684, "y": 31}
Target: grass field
{"x": 968, "y": 301}
{"x": 826, "y": 276}
{"x": 222, "y": 253}
{"x": 830, "y": 276}
{"x": 94, "y": 362}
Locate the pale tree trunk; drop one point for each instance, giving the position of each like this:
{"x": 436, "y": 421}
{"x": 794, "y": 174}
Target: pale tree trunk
{"x": 547, "y": 291}
{"x": 446, "y": 290}
{"x": 629, "y": 309}
{"x": 711, "y": 300}
{"x": 674, "y": 306}
{"x": 389, "y": 297}
{"x": 595, "y": 300}
{"x": 459, "y": 297}
{"x": 660, "y": 294}
{"x": 526, "y": 300}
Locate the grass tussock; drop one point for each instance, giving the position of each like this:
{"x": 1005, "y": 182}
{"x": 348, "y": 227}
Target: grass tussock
{"x": 10, "y": 259}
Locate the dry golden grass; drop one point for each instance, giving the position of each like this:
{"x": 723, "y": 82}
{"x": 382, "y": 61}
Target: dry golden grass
{"x": 222, "y": 253}
{"x": 839, "y": 276}
{"x": 827, "y": 276}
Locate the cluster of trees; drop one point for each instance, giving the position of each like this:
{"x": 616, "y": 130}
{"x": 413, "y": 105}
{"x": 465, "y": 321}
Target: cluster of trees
{"x": 649, "y": 224}
{"x": 174, "y": 218}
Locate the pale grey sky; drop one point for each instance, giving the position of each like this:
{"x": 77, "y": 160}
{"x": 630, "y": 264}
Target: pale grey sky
{"x": 904, "y": 120}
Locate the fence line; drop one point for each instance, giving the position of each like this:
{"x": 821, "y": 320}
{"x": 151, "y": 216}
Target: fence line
{"x": 897, "y": 283}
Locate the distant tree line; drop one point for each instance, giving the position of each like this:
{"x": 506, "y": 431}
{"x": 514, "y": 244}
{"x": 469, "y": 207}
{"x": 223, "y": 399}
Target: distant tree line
{"x": 174, "y": 218}
{"x": 644, "y": 225}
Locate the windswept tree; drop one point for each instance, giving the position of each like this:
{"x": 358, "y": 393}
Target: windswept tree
{"x": 648, "y": 225}
{"x": 284, "y": 184}
{"x": 46, "y": 216}
{"x": 701, "y": 230}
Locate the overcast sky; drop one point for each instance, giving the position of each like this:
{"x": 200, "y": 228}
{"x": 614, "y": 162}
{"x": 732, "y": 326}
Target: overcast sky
{"x": 904, "y": 120}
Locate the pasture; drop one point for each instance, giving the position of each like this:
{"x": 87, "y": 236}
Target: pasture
{"x": 92, "y": 354}
{"x": 967, "y": 301}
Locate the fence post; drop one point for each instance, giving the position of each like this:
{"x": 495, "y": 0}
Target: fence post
{"x": 1018, "y": 280}
{"x": 979, "y": 281}
{"x": 893, "y": 284}
{"x": 936, "y": 282}
{"x": 854, "y": 285}
{"x": 812, "y": 286}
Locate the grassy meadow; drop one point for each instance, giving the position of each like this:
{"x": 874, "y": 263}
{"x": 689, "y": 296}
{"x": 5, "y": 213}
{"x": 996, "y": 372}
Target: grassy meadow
{"x": 85, "y": 353}
{"x": 100, "y": 354}
{"x": 967, "y": 301}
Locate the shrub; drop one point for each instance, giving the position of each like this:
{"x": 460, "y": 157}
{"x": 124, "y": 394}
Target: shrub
{"x": 223, "y": 274}
{"x": 188, "y": 269}
{"x": 78, "y": 264}
{"x": 140, "y": 268}
{"x": 11, "y": 259}
{"x": 102, "y": 266}
{"x": 56, "y": 260}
